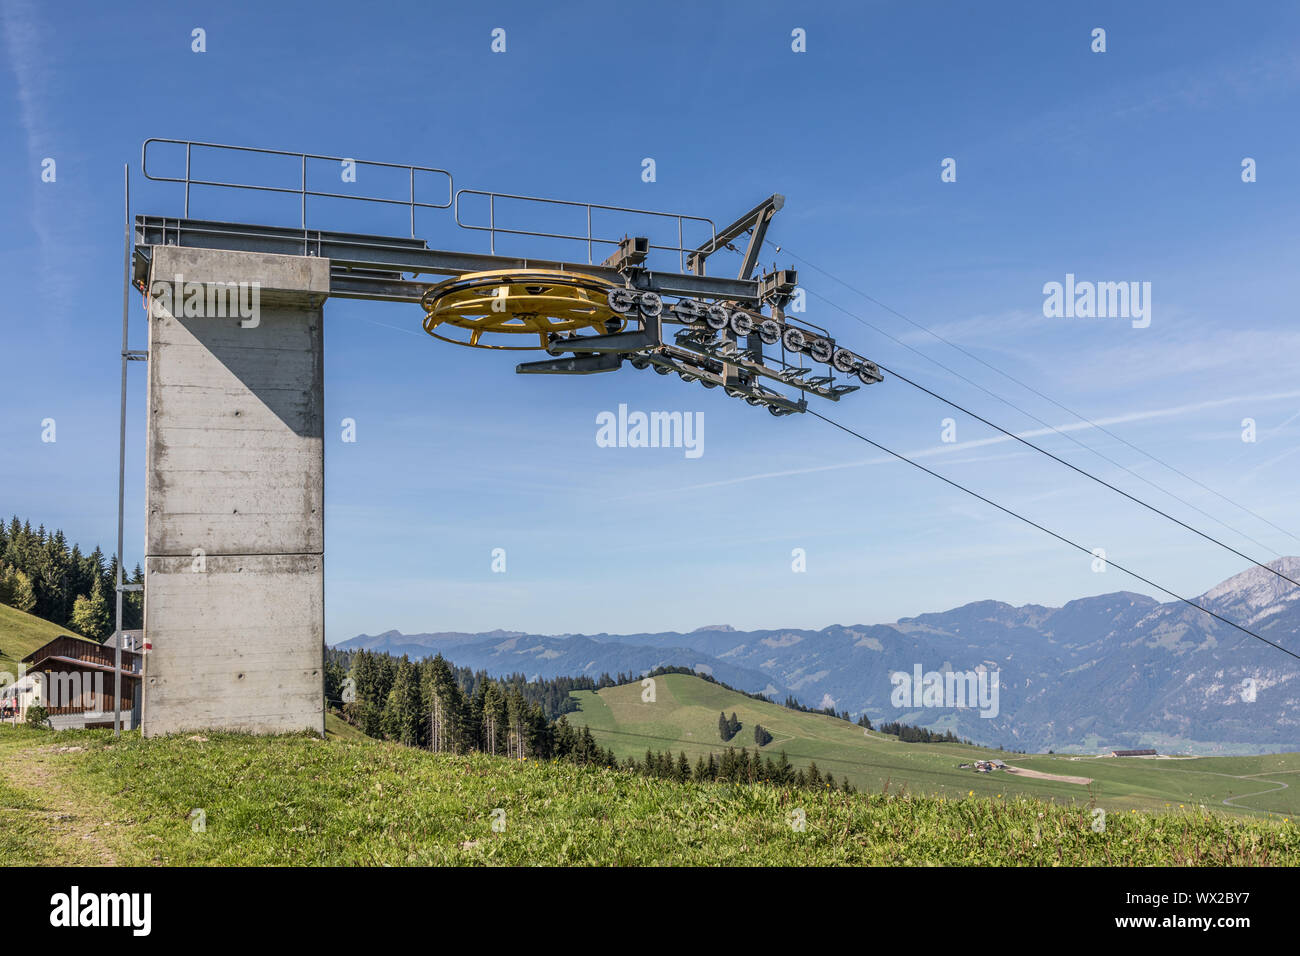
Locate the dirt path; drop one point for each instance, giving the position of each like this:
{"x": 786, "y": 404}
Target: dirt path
{"x": 50, "y": 822}
{"x": 1232, "y": 801}
{"x": 1039, "y": 775}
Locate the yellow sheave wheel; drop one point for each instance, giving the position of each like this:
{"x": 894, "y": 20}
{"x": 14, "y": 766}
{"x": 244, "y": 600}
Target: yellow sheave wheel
{"x": 534, "y": 302}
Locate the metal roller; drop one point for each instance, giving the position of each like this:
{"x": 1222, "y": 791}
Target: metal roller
{"x": 650, "y": 304}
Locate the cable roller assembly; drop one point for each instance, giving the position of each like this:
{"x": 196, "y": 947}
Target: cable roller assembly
{"x": 590, "y": 324}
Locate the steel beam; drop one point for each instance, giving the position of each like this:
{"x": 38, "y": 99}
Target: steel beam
{"x": 756, "y": 219}
{"x": 377, "y": 256}
{"x": 637, "y": 340}
{"x": 577, "y": 365}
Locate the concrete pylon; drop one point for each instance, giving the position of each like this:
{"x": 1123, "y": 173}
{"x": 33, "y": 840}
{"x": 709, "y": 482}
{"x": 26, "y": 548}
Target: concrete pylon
{"x": 235, "y": 536}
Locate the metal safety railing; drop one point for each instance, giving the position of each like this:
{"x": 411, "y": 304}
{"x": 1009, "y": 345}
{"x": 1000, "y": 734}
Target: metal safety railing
{"x": 492, "y": 229}
{"x": 301, "y": 190}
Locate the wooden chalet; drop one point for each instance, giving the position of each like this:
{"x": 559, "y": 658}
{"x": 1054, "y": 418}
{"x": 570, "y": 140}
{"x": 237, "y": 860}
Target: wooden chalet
{"x": 76, "y": 683}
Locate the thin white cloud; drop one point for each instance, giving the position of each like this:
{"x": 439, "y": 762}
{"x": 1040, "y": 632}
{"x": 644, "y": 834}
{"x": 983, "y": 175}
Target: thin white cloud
{"x": 1269, "y": 464}
{"x": 22, "y": 48}
{"x": 930, "y": 452}
{"x": 21, "y": 45}
{"x": 27, "y": 53}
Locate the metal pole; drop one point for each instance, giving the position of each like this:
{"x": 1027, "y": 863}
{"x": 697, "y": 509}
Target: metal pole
{"x": 121, "y": 447}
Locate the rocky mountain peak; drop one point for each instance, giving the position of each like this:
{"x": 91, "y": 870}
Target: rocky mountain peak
{"x": 1256, "y": 588}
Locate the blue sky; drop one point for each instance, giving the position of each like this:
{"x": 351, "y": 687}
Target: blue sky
{"x": 1115, "y": 166}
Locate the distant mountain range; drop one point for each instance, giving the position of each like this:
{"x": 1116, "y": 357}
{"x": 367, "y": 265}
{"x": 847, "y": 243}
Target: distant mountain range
{"x": 1116, "y": 670}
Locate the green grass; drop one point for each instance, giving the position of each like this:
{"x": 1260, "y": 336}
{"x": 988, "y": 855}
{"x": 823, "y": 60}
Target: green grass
{"x": 684, "y": 717}
{"x": 22, "y": 633}
{"x": 336, "y": 728}
{"x": 46, "y": 816}
{"x": 22, "y": 826}
{"x": 298, "y": 800}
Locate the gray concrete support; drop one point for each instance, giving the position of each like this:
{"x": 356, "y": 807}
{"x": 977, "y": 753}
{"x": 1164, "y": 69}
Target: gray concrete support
{"x": 234, "y": 504}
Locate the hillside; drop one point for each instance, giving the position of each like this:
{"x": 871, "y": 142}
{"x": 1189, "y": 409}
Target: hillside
{"x": 21, "y": 633}
{"x": 80, "y": 798}
{"x": 538, "y": 655}
{"x": 684, "y": 717}
{"x": 1112, "y": 671}
{"x": 338, "y": 728}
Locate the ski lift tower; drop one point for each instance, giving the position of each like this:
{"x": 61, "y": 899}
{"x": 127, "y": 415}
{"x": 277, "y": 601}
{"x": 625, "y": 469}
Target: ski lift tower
{"x": 234, "y": 501}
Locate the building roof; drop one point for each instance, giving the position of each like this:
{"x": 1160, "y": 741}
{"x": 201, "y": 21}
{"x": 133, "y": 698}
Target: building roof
{"x": 44, "y": 649}
{"x": 128, "y": 670}
{"x": 132, "y": 640}
{"x": 68, "y": 649}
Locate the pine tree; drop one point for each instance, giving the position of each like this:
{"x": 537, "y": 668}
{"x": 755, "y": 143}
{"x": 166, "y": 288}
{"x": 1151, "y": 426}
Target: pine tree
{"x": 701, "y": 771}
{"x": 783, "y": 774}
{"x": 365, "y": 674}
{"x": 23, "y": 593}
{"x": 334, "y": 677}
{"x": 516, "y": 717}
{"x": 60, "y": 569}
{"x": 537, "y": 730}
{"x": 813, "y": 776}
{"x": 90, "y": 615}
{"x": 403, "y": 716}
{"x": 133, "y": 603}
{"x": 492, "y": 710}
{"x": 442, "y": 704}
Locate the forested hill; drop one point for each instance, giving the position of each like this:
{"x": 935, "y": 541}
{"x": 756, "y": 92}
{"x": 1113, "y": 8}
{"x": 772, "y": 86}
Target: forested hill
{"x": 1108, "y": 671}
{"x": 41, "y": 573}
